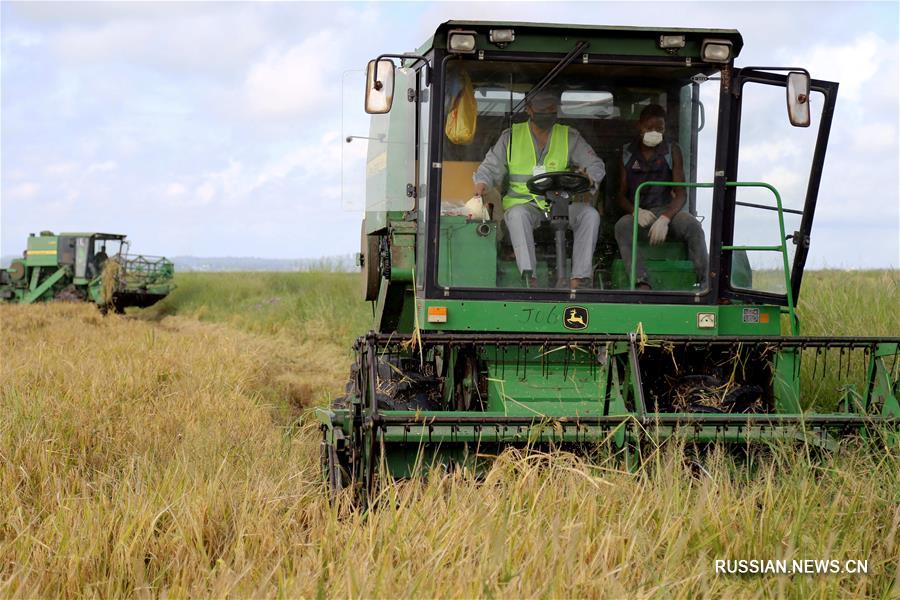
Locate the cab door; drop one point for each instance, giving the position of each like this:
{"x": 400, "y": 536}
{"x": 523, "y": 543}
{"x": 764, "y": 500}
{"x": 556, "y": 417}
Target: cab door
{"x": 765, "y": 147}
{"x": 82, "y": 247}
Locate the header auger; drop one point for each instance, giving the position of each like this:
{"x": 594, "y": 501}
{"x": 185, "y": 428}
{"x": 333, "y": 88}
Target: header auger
{"x": 90, "y": 267}
{"x": 505, "y": 315}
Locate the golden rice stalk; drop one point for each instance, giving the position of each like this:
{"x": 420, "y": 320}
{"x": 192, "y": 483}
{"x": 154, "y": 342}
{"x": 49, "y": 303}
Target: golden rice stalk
{"x": 109, "y": 279}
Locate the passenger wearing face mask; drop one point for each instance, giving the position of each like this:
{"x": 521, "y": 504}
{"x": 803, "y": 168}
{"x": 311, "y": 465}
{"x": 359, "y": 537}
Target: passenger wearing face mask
{"x": 651, "y": 158}
{"x": 541, "y": 145}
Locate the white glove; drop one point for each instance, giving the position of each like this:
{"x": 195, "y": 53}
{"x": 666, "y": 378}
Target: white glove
{"x": 645, "y": 217}
{"x": 659, "y": 231}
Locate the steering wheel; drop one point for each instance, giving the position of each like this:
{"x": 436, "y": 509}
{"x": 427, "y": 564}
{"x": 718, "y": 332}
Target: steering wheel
{"x": 558, "y": 181}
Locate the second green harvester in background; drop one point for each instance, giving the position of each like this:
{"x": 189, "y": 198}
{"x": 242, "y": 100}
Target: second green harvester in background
{"x": 86, "y": 266}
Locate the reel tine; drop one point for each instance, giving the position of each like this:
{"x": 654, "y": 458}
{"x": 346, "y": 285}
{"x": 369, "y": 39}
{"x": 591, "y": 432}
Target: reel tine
{"x": 816, "y": 363}
{"x": 840, "y": 360}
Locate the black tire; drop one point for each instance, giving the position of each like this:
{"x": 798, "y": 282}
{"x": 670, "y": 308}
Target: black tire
{"x": 370, "y": 264}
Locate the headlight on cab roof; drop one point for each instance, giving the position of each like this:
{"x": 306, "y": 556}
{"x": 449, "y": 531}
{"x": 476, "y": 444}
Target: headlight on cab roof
{"x": 671, "y": 42}
{"x": 461, "y": 42}
{"x": 715, "y": 51}
{"x": 502, "y": 36}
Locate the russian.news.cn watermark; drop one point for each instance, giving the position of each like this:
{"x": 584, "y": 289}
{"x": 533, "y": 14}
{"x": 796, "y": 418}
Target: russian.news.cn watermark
{"x": 810, "y": 566}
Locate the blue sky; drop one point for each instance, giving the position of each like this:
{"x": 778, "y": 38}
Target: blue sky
{"x": 216, "y": 128}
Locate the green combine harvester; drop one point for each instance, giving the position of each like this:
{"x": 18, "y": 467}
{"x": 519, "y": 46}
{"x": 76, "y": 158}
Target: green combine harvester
{"x": 91, "y": 267}
{"x": 470, "y": 353}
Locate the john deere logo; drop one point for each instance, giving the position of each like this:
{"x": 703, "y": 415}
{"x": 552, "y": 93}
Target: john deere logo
{"x": 575, "y": 317}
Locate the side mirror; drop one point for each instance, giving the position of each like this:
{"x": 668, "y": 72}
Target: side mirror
{"x": 380, "y": 90}
{"x": 798, "y": 98}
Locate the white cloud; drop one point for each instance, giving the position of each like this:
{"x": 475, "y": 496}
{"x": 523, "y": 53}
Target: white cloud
{"x": 864, "y": 66}
{"x": 230, "y": 182}
{"x": 24, "y": 191}
{"x": 789, "y": 181}
{"x": 199, "y": 42}
{"x": 205, "y": 192}
{"x": 295, "y": 82}
{"x": 23, "y": 39}
{"x": 103, "y": 167}
{"x": 227, "y": 186}
{"x": 60, "y": 168}
{"x": 875, "y": 137}
{"x": 321, "y": 160}
{"x": 174, "y": 190}
{"x": 769, "y": 150}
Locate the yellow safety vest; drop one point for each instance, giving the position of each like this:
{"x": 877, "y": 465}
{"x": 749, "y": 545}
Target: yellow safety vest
{"x": 521, "y": 159}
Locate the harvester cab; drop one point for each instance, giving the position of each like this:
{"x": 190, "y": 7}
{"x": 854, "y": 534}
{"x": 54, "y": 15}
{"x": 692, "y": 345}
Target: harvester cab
{"x": 86, "y": 266}
{"x": 520, "y": 295}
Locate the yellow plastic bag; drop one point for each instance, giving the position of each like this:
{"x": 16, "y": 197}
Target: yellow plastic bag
{"x": 463, "y": 117}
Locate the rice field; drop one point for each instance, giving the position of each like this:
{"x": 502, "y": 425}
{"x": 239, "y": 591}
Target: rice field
{"x": 169, "y": 452}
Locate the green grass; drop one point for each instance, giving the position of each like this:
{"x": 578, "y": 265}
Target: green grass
{"x": 270, "y": 302}
{"x": 159, "y": 454}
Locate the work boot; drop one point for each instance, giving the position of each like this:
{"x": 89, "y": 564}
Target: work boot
{"x": 580, "y": 283}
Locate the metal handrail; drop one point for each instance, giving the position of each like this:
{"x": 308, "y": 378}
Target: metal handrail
{"x": 781, "y": 248}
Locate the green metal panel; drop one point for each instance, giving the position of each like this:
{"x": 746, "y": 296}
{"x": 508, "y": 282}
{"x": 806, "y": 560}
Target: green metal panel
{"x": 525, "y": 316}
{"x": 41, "y": 251}
{"x": 544, "y": 381}
{"x": 472, "y": 245}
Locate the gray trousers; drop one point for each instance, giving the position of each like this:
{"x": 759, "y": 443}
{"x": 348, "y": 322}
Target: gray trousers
{"x": 684, "y": 226}
{"x": 584, "y": 220}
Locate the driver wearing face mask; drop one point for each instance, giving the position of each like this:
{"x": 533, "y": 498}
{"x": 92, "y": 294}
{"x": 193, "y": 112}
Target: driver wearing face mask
{"x": 660, "y": 218}
{"x": 541, "y": 145}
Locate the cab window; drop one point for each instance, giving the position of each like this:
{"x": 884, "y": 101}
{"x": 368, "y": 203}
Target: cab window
{"x": 504, "y": 238}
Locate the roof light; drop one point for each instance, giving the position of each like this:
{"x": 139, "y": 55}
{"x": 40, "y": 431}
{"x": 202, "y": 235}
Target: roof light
{"x": 461, "y": 42}
{"x": 716, "y": 51}
{"x": 502, "y": 37}
{"x": 671, "y": 42}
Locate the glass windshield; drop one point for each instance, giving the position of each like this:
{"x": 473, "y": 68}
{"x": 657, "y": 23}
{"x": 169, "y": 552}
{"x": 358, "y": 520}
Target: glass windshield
{"x": 614, "y": 128}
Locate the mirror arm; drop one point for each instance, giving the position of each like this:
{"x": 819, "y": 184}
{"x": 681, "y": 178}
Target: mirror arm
{"x": 378, "y": 85}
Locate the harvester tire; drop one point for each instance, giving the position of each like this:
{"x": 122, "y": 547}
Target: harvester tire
{"x": 16, "y": 270}
{"x": 370, "y": 264}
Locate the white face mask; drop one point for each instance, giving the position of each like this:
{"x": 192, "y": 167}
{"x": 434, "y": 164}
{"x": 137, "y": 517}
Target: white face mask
{"x": 652, "y": 138}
